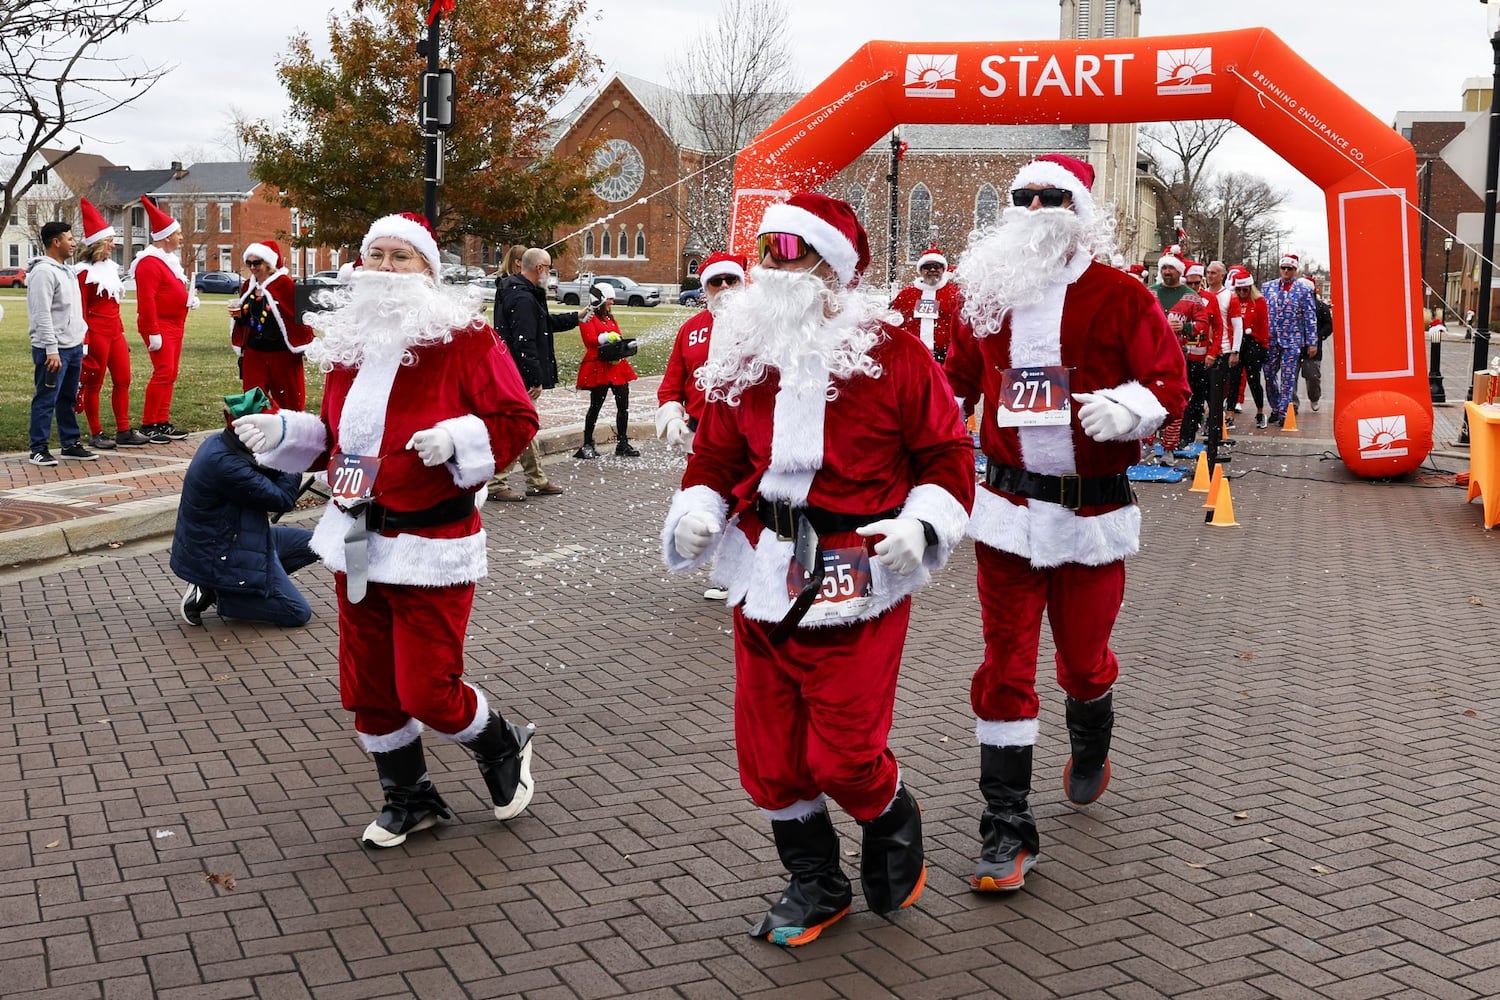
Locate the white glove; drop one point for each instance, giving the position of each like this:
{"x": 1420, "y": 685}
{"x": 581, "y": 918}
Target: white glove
{"x": 193, "y": 302}
{"x": 903, "y": 546}
{"x": 1103, "y": 419}
{"x": 693, "y": 533}
{"x": 434, "y": 446}
{"x": 260, "y": 432}
{"x": 678, "y": 435}
{"x": 153, "y": 342}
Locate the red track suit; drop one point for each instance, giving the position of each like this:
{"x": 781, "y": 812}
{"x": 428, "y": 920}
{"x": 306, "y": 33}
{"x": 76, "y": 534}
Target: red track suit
{"x": 100, "y": 286}
{"x": 270, "y": 341}
{"x": 1111, "y": 335}
{"x": 1255, "y": 339}
{"x": 401, "y": 648}
{"x": 812, "y": 714}
{"x": 162, "y": 297}
{"x": 679, "y": 383}
{"x": 936, "y": 332}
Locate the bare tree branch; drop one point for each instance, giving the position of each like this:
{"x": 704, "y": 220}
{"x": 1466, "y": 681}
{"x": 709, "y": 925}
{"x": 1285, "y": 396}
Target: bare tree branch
{"x": 55, "y": 75}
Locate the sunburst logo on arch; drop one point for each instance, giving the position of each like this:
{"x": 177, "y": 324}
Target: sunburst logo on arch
{"x": 1184, "y": 71}
{"x": 1382, "y": 437}
{"x": 931, "y": 76}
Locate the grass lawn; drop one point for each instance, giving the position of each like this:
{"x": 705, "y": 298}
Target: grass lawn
{"x": 207, "y": 372}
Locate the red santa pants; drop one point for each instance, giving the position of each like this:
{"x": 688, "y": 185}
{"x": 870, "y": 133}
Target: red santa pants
{"x": 812, "y": 714}
{"x": 158, "y": 406}
{"x": 279, "y": 373}
{"x": 112, "y": 354}
{"x": 401, "y": 656}
{"x": 1081, "y": 602}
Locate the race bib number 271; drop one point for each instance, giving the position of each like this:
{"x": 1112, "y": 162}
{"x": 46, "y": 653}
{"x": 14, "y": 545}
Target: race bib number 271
{"x": 1033, "y": 397}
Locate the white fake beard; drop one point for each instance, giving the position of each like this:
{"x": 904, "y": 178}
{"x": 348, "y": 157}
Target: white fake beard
{"x": 381, "y": 312}
{"x": 781, "y": 323}
{"x": 1013, "y": 263}
{"x": 716, "y": 302}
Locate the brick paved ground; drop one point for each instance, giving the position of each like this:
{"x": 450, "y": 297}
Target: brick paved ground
{"x": 1302, "y": 803}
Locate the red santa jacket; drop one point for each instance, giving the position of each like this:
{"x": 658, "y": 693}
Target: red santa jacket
{"x": 949, "y": 302}
{"x": 689, "y": 352}
{"x": 276, "y": 311}
{"x": 1109, "y": 332}
{"x": 100, "y": 287}
{"x": 1252, "y": 317}
{"x": 887, "y": 443}
{"x": 592, "y": 372}
{"x": 161, "y": 293}
{"x": 470, "y": 388}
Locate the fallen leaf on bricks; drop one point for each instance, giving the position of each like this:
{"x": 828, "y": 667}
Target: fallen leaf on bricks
{"x": 851, "y": 854}
{"x": 1246, "y": 655}
{"x": 1322, "y": 870}
{"x": 942, "y": 739}
{"x": 1476, "y": 602}
{"x": 1267, "y": 840}
{"x": 1242, "y": 815}
{"x": 218, "y": 678}
{"x": 1194, "y": 864}
{"x": 227, "y": 881}
{"x": 1244, "y": 694}
{"x": 1471, "y": 713}
{"x": 103, "y": 722}
{"x": 54, "y": 843}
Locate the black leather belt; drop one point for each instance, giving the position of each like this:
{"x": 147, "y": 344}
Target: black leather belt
{"x": 378, "y": 518}
{"x": 1071, "y": 492}
{"x": 781, "y": 517}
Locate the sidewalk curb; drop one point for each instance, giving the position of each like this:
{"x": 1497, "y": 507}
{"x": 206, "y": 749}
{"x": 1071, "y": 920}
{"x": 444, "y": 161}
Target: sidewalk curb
{"x": 156, "y": 517}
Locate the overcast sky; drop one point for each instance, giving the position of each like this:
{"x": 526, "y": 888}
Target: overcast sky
{"x": 1414, "y": 60}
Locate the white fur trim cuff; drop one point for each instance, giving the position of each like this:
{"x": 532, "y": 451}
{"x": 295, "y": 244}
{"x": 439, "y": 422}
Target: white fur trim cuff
{"x": 161, "y": 234}
{"x": 1016, "y": 733}
{"x": 694, "y": 498}
{"x": 103, "y": 234}
{"x": 1143, "y": 405}
{"x": 476, "y": 725}
{"x": 830, "y": 244}
{"x": 473, "y": 462}
{"x": 305, "y": 439}
{"x": 803, "y": 809}
{"x": 941, "y": 509}
{"x": 405, "y": 736}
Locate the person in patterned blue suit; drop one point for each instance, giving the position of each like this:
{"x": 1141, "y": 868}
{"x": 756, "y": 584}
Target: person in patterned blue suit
{"x": 1293, "y": 321}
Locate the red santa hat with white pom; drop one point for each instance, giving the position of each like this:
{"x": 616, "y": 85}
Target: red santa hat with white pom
{"x": 95, "y": 229}
{"x": 829, "y": 226}
{"x": 1059, "y": 170}
{"x": 414, "y": 229}
{"x": 162, "y": 224}
{"x": 267, "y": 250}
{"x": 932, "y": 256}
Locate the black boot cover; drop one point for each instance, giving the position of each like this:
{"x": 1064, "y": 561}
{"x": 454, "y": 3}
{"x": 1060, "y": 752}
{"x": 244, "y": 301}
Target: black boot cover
{"x": 818, "y": 894}
{"x": 503, "y": 750}
{"x": 1090, "y": 725}
{"x": 892, "y": 867}
{"x": 411, "y": 801}
{"x": 1007, "y": 829}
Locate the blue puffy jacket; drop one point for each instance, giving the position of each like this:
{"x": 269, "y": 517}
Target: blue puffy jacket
{"x": 223, "y": 536}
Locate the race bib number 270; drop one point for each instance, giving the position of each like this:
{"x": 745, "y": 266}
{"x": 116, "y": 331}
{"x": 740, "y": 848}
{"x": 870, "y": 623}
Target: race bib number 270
{"x": 351, "y": 478}
{"x": 1033, "y": 397}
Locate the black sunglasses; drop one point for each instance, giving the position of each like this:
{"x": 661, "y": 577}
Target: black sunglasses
{"x": 1287, "y": 267}
{"x": 723, "y": 279}
{"x": 1051, "y": 197}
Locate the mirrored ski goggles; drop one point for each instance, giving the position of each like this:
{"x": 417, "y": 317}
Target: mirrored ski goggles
{"x": 1051, "y": 197}
{"x": 783, "y": 247}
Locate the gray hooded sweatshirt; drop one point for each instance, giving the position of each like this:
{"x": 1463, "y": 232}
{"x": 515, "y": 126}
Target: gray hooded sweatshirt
{"x": 54, "y": 306}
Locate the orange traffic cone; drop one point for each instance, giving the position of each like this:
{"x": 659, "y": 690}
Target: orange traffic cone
{"x": 1200, "y": 475}
{"x": 1214, "y": 487}
{"x": 1290, "y": 424}
{"x": 1224, "y": 509}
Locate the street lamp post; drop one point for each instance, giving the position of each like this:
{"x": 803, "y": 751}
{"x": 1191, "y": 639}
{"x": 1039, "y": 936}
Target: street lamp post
{"x": 1435, "y": 348}
{"x": 1487, "y": 243}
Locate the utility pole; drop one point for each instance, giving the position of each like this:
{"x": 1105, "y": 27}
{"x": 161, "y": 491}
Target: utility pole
{"x": 436, "y": 113}
{"x": 894, "y": 177}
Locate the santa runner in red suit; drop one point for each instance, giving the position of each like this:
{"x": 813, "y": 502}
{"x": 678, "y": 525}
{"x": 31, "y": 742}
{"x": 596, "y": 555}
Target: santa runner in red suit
{"x": 265, "y": 333}
{"x": 101, "y": 286}
{"x": 680, "y": 398}
{"x": 929, "y": 305}
{"x": 1077, "y": 366}
{"x": 162, "y": 301}
{"x": 1200, "y": 330}
{"x": 1247, "y": 316}
{"x": 420, "y": 405}
{"x": 829, "y": 477}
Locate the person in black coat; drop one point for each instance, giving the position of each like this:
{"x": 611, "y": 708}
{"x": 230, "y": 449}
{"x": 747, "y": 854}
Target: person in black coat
{"x": 526, "y": 326}
{"x": 224, "y": 545}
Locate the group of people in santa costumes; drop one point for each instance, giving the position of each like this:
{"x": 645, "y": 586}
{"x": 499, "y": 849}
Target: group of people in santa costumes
{"x": 106, "y": 353}
{"x": 421, "y": 404}
{"x": 163, "y": 299}
{"x": 266, "y": 335}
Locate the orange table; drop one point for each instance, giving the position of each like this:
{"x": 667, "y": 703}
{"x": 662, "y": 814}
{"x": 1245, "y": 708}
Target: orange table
{"x": 1484, "y": 459}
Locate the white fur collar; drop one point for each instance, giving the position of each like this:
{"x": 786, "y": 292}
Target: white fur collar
{"x": 1035, "y": 341}
{"x": 105, "y": 275}
{"x": 255, "y": 286}
{"x": 173, "y": 262}
{"x": 362, "y": 423}
{"x": 796, "y": 440}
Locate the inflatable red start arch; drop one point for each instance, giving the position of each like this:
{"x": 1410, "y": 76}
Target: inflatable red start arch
{"x": 1383, "y": 409}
